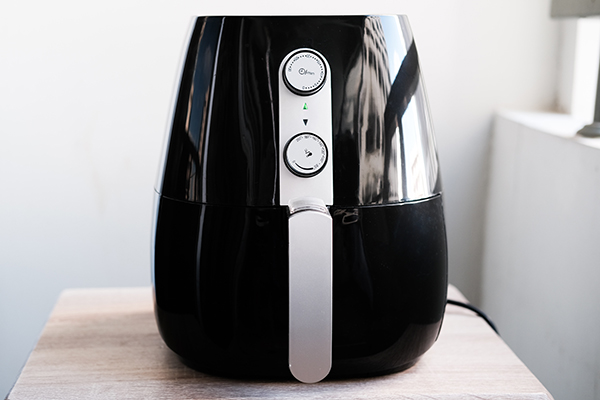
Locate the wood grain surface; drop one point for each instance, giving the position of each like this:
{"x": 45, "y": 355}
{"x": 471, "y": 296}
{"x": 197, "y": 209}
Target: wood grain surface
{"x": 104, "y": 344}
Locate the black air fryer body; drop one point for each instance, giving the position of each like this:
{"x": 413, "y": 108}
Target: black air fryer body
{"x": 223, "y": 248}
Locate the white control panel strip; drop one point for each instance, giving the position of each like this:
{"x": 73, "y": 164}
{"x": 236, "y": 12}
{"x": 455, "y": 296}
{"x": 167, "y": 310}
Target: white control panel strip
{"x": 305, "y": 116}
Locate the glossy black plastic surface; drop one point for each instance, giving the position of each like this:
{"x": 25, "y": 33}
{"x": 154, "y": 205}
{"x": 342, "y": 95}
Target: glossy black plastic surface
{"x": 221, "y": 286}
{"x": 224, "y": 145}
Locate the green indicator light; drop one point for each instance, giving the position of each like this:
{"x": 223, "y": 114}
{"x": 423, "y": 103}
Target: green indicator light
{"x": 305, "y": 107}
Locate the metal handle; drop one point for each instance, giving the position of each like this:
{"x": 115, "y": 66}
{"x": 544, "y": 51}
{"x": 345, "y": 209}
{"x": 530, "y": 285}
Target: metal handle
{"x": 310, "y": 293}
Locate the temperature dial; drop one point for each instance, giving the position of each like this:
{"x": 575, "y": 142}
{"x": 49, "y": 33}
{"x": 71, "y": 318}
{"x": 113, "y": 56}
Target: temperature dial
{"x": 305, "y": 154}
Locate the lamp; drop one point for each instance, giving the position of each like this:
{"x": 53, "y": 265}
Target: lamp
{"x": 581, "y": 8}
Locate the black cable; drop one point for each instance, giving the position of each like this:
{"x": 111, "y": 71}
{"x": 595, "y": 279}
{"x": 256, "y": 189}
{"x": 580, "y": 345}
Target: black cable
{"x": 476, "y": 311}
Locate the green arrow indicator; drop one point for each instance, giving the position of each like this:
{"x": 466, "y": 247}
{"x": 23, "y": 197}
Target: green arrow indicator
{"x": 305, "y": 107}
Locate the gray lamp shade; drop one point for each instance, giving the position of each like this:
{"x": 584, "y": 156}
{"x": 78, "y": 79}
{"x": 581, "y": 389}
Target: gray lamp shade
{"x": 575, "y": 8}
{"x": 581, "y": 8}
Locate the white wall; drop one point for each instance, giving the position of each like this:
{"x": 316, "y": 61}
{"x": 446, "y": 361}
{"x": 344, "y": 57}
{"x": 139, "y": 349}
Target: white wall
{"x": 542, "y": 258}
{"x": 479, "y": 56}
{"x": 85, "y": 90}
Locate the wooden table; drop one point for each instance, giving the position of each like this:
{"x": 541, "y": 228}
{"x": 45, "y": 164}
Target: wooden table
{"x": 104, "y": 344}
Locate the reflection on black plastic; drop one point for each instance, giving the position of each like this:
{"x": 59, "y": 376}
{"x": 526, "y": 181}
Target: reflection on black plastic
{"x": 224, "y": 141}
{"x": 221, "y": 286}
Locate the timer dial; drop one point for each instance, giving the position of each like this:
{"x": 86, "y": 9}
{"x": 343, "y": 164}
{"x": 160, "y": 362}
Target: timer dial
{"x": 304, "y": 72}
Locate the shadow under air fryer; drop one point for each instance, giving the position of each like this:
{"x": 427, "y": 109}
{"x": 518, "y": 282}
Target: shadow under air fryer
{"x": 300, "y": 229}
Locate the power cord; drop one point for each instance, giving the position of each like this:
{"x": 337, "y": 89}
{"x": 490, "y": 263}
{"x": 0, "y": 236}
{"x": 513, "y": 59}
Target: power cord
{"x": 476, "y": 311}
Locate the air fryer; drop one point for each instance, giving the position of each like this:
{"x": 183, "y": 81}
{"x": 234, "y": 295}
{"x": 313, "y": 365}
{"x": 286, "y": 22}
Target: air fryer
{"x": 300, "y": 228}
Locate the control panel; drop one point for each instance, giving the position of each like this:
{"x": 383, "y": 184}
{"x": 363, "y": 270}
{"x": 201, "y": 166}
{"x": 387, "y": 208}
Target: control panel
{"x": 305, "y": 131}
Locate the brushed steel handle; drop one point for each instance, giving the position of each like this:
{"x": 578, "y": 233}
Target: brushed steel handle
{"x": 310, "y": 289}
